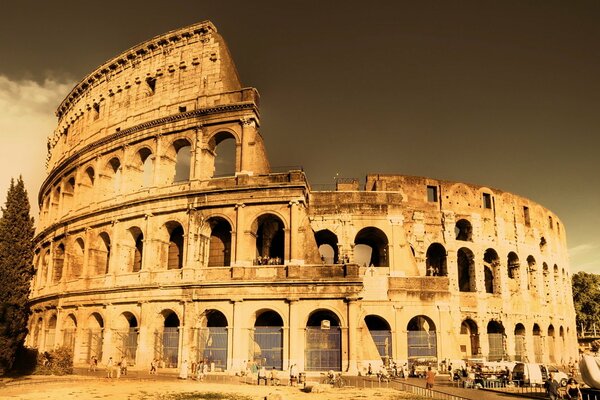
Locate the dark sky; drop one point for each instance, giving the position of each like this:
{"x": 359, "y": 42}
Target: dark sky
{"x": 499, "y": 93}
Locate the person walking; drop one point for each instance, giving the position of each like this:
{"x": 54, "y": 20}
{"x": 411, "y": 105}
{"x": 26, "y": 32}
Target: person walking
{"x": 552, "y": 387}
{"x": 183, "y": 371}
{"x": 109, "y": 368}
{"x": 429, "y": 378}
{"x": 572, "y": 389}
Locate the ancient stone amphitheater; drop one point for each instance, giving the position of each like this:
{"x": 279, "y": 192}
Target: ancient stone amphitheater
{"x": 164, "y": 233}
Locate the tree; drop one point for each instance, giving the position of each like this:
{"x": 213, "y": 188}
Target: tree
{"x": 16, "y": 271}
{"x": 586, "y": 299}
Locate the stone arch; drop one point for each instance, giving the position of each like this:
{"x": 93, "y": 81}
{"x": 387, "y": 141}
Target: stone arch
{"x": 37, "y": 330}
{"x": 268, "y": 339}
{"x": 436, "y": 260}
{"x": 551, "y": 343}
{"x": 144, "y": 167}
{"x": 44, "y": 264}
{"x": 69, "y": 330}
{"x": 126, "y": 331}
{"x": 538, "y": 349}
{"x": 422, "y": 339}
{"x": 219, "y": 242}
{"x": 463, "y": 230}
{"x": 491, "y": 271}
{"x": 513, "y": 264}
{"x": 520, "y": 343}
{"x": 466, "y": 270}
{"x": 327, "y": 242}
{"x": 222, "y": 147}
{"x": 373, "y": 243}
{"x": 68, "y": 194}
{"x": 469, "y": 338}
{"x": 496, "y": 340}
{"x": 175, "y": 247}
{"x": 111, "y": 177}
{"x": 133, "y": 249}
{"x": 381, "y": 333}
{"x": 58, "y": 262}
{"x": 181, "y": 149}
{"x": 269, "y": 231}
{"x": 94, "y": 336}
{"x": 212, "y": 339}
{"x": 50, "y": 333}
{"x": 532, "y": 281}
{"x": 76, "y": 260}
{"x": 166, "y": 343}
{"x": 323, "y": 342}
{"x": 100, "y": 254}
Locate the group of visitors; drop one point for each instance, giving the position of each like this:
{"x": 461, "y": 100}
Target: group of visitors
{"x": 570, "y": 392}
{"x": 198, "y": 370}
{"x": 265, "y": 260}
{"x": 112, "y": 369}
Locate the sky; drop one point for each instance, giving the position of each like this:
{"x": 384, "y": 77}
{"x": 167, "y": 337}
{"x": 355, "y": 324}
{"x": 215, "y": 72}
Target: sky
{"x": 504, "y": 94}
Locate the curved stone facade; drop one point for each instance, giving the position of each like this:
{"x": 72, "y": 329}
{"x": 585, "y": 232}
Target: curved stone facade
{"x": 153, "y": 243}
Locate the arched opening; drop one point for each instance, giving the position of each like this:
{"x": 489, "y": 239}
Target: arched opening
{"x": 94, "y": 339}
{"x": 213, "y": 339}
{"x": 51, "y": 334}
{"x": 373, "y": 244}
{"x": 547, "y": 289}
{"x": 219, "y": 252}
{"x": 68, "y": 195}
{"x": 436, "y": 260}
{"x": 463, "y": 230}
{"x": 469, "y": 339}
{"x": 138, "y": 252}
{"x": 323, "y": 346}
{"x": 69, "y": 332}
{"x": 76, "y": 261}
{"x": 113, "y": 178}
{"x": 132, "y": 250}
{"x": 561, "y": 345}
{"x": 58, "y": 263}
{"x": 55, "y": 202}
{"x": 167, "y": 340}
{"x": 532, "y": 282}
{"x": 327, "y": 242}
{"x": 381, "y": 333}
{"x": 147, "y": 164}
{"x": 551, "y": 344}
{"x": 520, "y": 349}
{"x": 102, "y": 254}
{"x": 175, "y": 247}
{"x": 270, "y": 240}
{"x": 422, "y": 341}
{"x": 223, "y": 147}
{"x": 466, "y": 270}
{"x": 538, "y": 349}
{"x": 43, "y": 271}
{"x": 268, "y": 340}
{"x": 37, "y": 332}
{"x": 183, "y": 160}
{"x": 126, "y": 334}
{"x": 491, "y": 262}
{"x": 496, "y": 341}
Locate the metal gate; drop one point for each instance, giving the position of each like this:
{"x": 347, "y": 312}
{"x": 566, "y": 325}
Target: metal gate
{"x": 95, "y": 339}
{"x": 212, "y": 346}
{"x": 383, "y": 341}
{"x": 422, "y": 344}
{"x": 323, "y": 349}
{"x": 166, "y": 346}
{"x": 496, "y": 346}
{"x": 69, "y": 340}
{"x": 267, "y": 342}
{"x": 50, "y": 339}
{"x": 538, "y": 349}
{"x": 127, "y": 341}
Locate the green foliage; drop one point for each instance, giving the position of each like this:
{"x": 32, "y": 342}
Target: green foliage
{"x": 55, "y": 362}
{"x": 16, "y": 271}
{"x": 586, "y": 299}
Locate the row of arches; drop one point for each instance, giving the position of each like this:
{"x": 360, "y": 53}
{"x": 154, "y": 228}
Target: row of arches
{"x": 142, "y": 167}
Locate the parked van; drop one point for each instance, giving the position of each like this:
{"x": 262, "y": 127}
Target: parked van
{"x": 537, "y": 374}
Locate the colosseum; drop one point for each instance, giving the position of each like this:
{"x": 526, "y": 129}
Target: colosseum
{"x": 165, "y": 234}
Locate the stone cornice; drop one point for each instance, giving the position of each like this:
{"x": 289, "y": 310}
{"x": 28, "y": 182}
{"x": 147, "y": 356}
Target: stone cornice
{"x": 143, "y": 126}
{"x": 130, "y": 55}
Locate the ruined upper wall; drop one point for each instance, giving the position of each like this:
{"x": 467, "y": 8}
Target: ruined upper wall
{"x": 182, "y": 70}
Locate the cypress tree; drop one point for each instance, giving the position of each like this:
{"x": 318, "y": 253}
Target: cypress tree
{"x": 16, "y": 271}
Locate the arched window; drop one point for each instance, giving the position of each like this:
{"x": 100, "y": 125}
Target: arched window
{"x": 58, "y": 263}
{"x": 136, "y": 246}
{"x": 466, "y": 270}
{"x": 463, "y": 230}
{"x": 270, "y": 240}
{"x": 327, "y": 242}
{"x": 323, "y": 347}
{"x": 496, "y": 344}
{"x": 532, "y": 281}
{"x": 51, "y": 334}
{"x": 538, "y": 349}
{"x": 223, "y": 147}
{"x": 513, "y": 265}
{"x": 268, "y": 340}
{"x": 43, "y": 271}
{"x": 146, "y": 162}
{"x": 183, "y": 159}
{"x": 520, "y": 350}
{"x": 371, "y": 247}
{"x": 175, "y": 249}
{"x": 551, "y": 344}
{"x": 103, "y": 261}
{"x": 422, "y": 338}
{"x": 219, "y": 254}
{"x": 381, "y": 333}
{"x": 95, "y": 337}
{"x": 126, "y": 331}
{"x": 491, "y": 271}
{"x": 167, "y": 348}
{"x": 213, "y": 339}
{"x": 76, "y": 263}
{"x": 69, "y": 332}
{"x": 469, "y": 339}
{"x": 68, "y": 195}
{"x": 436, "y": 260}
{"x": 113, "y": 174}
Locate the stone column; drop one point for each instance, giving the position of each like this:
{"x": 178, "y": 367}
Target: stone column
{"x": 295, "y": 345}
{"x": 240, "y": 259}
{"x": 352, "y": 334}
{"x": 238, "y": 350}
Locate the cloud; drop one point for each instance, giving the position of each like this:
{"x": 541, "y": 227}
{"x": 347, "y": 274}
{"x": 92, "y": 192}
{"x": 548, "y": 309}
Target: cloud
{"x": 26, "y": 120}
{"x": 582, "y": 249}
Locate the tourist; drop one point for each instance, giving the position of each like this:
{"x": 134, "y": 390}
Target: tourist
{"x": 93, "y": 363}
{"x": 293, "y": 375}
{"x": 123, "y": 365}
{"x": 262, "y": 375}
{"x": 273, "y": 377}
{"x": 200, "y": 371}
{"x": 572, "y": 389}
{"x": 429, "y": 378}
{"x": 153, "y": 366}
{"x": 370, "y": 370}
{"x": 109, "y": 368}
{"x": 552, "y": 387}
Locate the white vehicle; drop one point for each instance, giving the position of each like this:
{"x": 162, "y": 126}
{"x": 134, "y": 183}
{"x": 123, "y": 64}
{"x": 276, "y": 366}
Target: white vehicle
{"x": 537, "y": 374}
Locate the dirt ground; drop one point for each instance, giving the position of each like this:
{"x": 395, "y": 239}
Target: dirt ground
{"x": 83, "y": 388}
